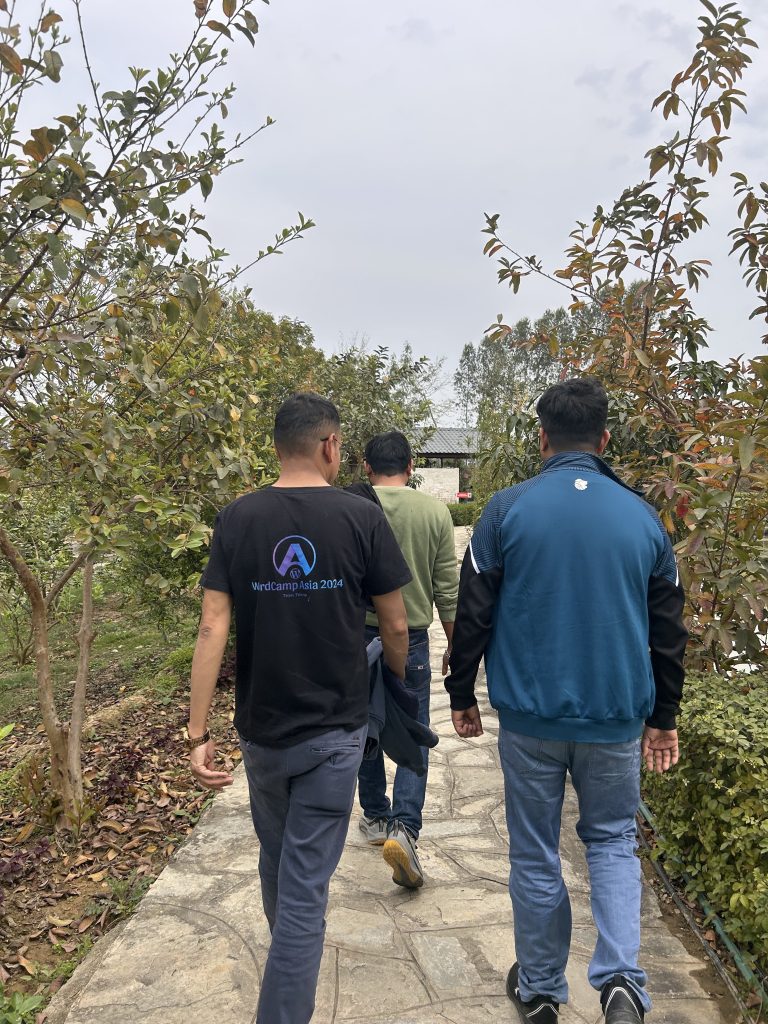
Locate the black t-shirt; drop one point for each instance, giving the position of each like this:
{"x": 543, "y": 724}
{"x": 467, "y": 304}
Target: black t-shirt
{"x": 299, "y": 563}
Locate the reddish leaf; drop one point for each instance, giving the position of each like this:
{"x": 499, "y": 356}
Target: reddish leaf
{"x": 10, "y": 59}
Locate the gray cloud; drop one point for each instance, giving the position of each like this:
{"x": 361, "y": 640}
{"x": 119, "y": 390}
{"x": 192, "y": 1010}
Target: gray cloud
{"x": 416, "y": 30}
{"x": 635, "y": 78}
{"x": 395, "y": 131}
{"x": 597, "y": 79}
{"x": 660, "y": 26}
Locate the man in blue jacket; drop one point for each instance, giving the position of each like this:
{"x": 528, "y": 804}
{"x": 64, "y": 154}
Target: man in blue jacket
{"x": 570, "y": 590}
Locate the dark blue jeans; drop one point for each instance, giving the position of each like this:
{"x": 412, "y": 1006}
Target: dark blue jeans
{"x": 606, "y": 777}
{"x": 301, "y": 799}
{"x": 409, "y": 789}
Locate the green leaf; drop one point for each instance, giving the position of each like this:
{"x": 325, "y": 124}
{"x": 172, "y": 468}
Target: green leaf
{"x": 53, "y": 63}
{"x": 746, "y": 451}
{"x": 157, "y": 207}
{"x": 201, "y": 319}
{"x": 206, "y": 185}
{"x": 172, "y": 310}
{"x": 38, "y": 202}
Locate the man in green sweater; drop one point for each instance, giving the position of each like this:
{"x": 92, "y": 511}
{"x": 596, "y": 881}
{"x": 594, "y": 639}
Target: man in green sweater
{"x": 423, "y": 528}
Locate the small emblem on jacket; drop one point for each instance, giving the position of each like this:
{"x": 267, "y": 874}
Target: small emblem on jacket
{"x": 580, "y": 485}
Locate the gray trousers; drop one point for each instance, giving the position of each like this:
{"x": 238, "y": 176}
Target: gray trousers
{"x": 301, "y": 799}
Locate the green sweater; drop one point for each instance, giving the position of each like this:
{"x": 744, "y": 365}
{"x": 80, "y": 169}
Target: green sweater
{"x": 423, "y": 528}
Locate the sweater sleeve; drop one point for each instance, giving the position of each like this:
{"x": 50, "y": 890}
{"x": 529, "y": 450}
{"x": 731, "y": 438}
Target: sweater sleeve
{"x": 667, "y": 637}
{"x": 445, "y": 576}
{"x": 482, "y": 572}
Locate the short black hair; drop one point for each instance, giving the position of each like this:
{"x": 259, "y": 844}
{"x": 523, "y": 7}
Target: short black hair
{"x": 574, "y": 412}
{"x": 388, "y": 454}
{"x": 302, "y": 420}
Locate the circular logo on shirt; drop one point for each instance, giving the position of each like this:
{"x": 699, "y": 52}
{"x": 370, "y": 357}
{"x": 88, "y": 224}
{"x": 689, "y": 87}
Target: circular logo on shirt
{"x": 294, "y": 556}
{"x": 580, "y": 485}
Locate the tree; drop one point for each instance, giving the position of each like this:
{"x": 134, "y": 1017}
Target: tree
{"x": 498, "y": 374}
{"x": 161, "y": 576}
{"x": 377, "y": 390}
{"x": 693, "y": 433}
{"x": 114, "y": 382}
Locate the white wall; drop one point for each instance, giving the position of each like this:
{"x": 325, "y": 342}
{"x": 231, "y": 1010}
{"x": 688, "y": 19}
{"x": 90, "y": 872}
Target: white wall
{"x": 440, "y": 483}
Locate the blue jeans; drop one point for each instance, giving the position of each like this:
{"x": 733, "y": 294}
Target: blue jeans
{"x": 606, "y": 777}
{"x": 409, "y": 790}
{"x": 301, "y": 799}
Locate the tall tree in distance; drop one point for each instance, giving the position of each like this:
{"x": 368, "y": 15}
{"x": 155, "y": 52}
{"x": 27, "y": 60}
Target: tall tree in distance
{"x": 499, "y": 374}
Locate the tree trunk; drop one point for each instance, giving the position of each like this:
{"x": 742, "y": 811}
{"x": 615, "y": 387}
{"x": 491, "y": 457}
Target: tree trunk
{"x": 66, "y": 773}
{"x": 84, "y": 641}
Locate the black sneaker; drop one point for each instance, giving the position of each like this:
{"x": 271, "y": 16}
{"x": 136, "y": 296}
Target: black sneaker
{"x": 539, "y": 1010}
{"x": 621, "y": 1005}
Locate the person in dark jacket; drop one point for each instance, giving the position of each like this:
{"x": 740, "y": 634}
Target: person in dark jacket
{"x": 570, "y": 590}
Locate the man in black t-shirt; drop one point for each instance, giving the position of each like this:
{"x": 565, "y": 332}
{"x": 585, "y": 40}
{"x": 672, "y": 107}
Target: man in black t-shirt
{"x": 297, "y": 561}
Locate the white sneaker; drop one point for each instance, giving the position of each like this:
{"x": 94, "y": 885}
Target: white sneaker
{"x": 374, "y": 830}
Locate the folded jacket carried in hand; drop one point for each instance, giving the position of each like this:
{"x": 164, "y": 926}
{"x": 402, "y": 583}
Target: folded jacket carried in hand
{"x": 392, "y": 721}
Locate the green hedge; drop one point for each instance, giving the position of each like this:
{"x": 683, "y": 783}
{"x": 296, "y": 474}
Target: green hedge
{"x": 713, "y": 807}
{"x": 464, "y": 513}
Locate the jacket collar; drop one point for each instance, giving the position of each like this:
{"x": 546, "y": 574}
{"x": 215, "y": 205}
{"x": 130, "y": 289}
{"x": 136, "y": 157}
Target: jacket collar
{"x": 588, "y": 463}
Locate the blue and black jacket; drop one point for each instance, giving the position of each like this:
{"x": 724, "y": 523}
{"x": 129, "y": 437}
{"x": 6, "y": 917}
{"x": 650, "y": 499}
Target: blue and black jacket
{"x": 569, "y": 588}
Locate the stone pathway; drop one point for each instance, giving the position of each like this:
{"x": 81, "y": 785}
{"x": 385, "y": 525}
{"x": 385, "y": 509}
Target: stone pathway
{"x": 196, "y": 947}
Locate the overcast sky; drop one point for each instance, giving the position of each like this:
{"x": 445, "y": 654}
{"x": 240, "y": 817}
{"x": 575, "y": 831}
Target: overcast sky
{"x": 399, "y": 124}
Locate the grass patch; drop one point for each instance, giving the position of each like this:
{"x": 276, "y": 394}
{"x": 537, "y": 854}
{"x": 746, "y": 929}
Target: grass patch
{"x": 130, "y": 652}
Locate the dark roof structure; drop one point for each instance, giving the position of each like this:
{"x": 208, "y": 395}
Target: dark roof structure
{"x": 450, "y": 443}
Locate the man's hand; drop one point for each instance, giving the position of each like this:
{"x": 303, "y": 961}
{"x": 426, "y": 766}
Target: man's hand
{"x": 446, "y": 657}
{"x": 659, "y": 748}
{"x": 467, "y": 723}
{"x": 201, "y": 762}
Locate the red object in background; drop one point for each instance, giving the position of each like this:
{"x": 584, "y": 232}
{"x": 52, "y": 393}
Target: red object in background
{"x": 464, "y": 495}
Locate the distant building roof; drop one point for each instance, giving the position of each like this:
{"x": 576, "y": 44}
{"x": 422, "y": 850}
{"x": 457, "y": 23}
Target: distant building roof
{"x": 450, "y": 443}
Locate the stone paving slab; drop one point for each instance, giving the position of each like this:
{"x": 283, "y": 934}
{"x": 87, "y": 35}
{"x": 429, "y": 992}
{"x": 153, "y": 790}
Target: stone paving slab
{"x": 196, "y": 947}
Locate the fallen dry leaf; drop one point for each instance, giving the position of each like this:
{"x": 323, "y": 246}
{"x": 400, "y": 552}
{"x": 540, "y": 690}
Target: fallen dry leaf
{"x": 85, "y": 924}
{"x": 114, "y": 826}
{"x": 30, "y": 967}
{"x": 59, "y": 922}
{"x": 26, "y": 832}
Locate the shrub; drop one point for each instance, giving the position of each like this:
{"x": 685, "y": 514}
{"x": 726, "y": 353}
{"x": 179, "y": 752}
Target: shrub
{"x": 18, "y": 1008}
{"x": 711, "y": 807}
{"x": 464, "y": 513}
{"x": 173, "y": 673}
